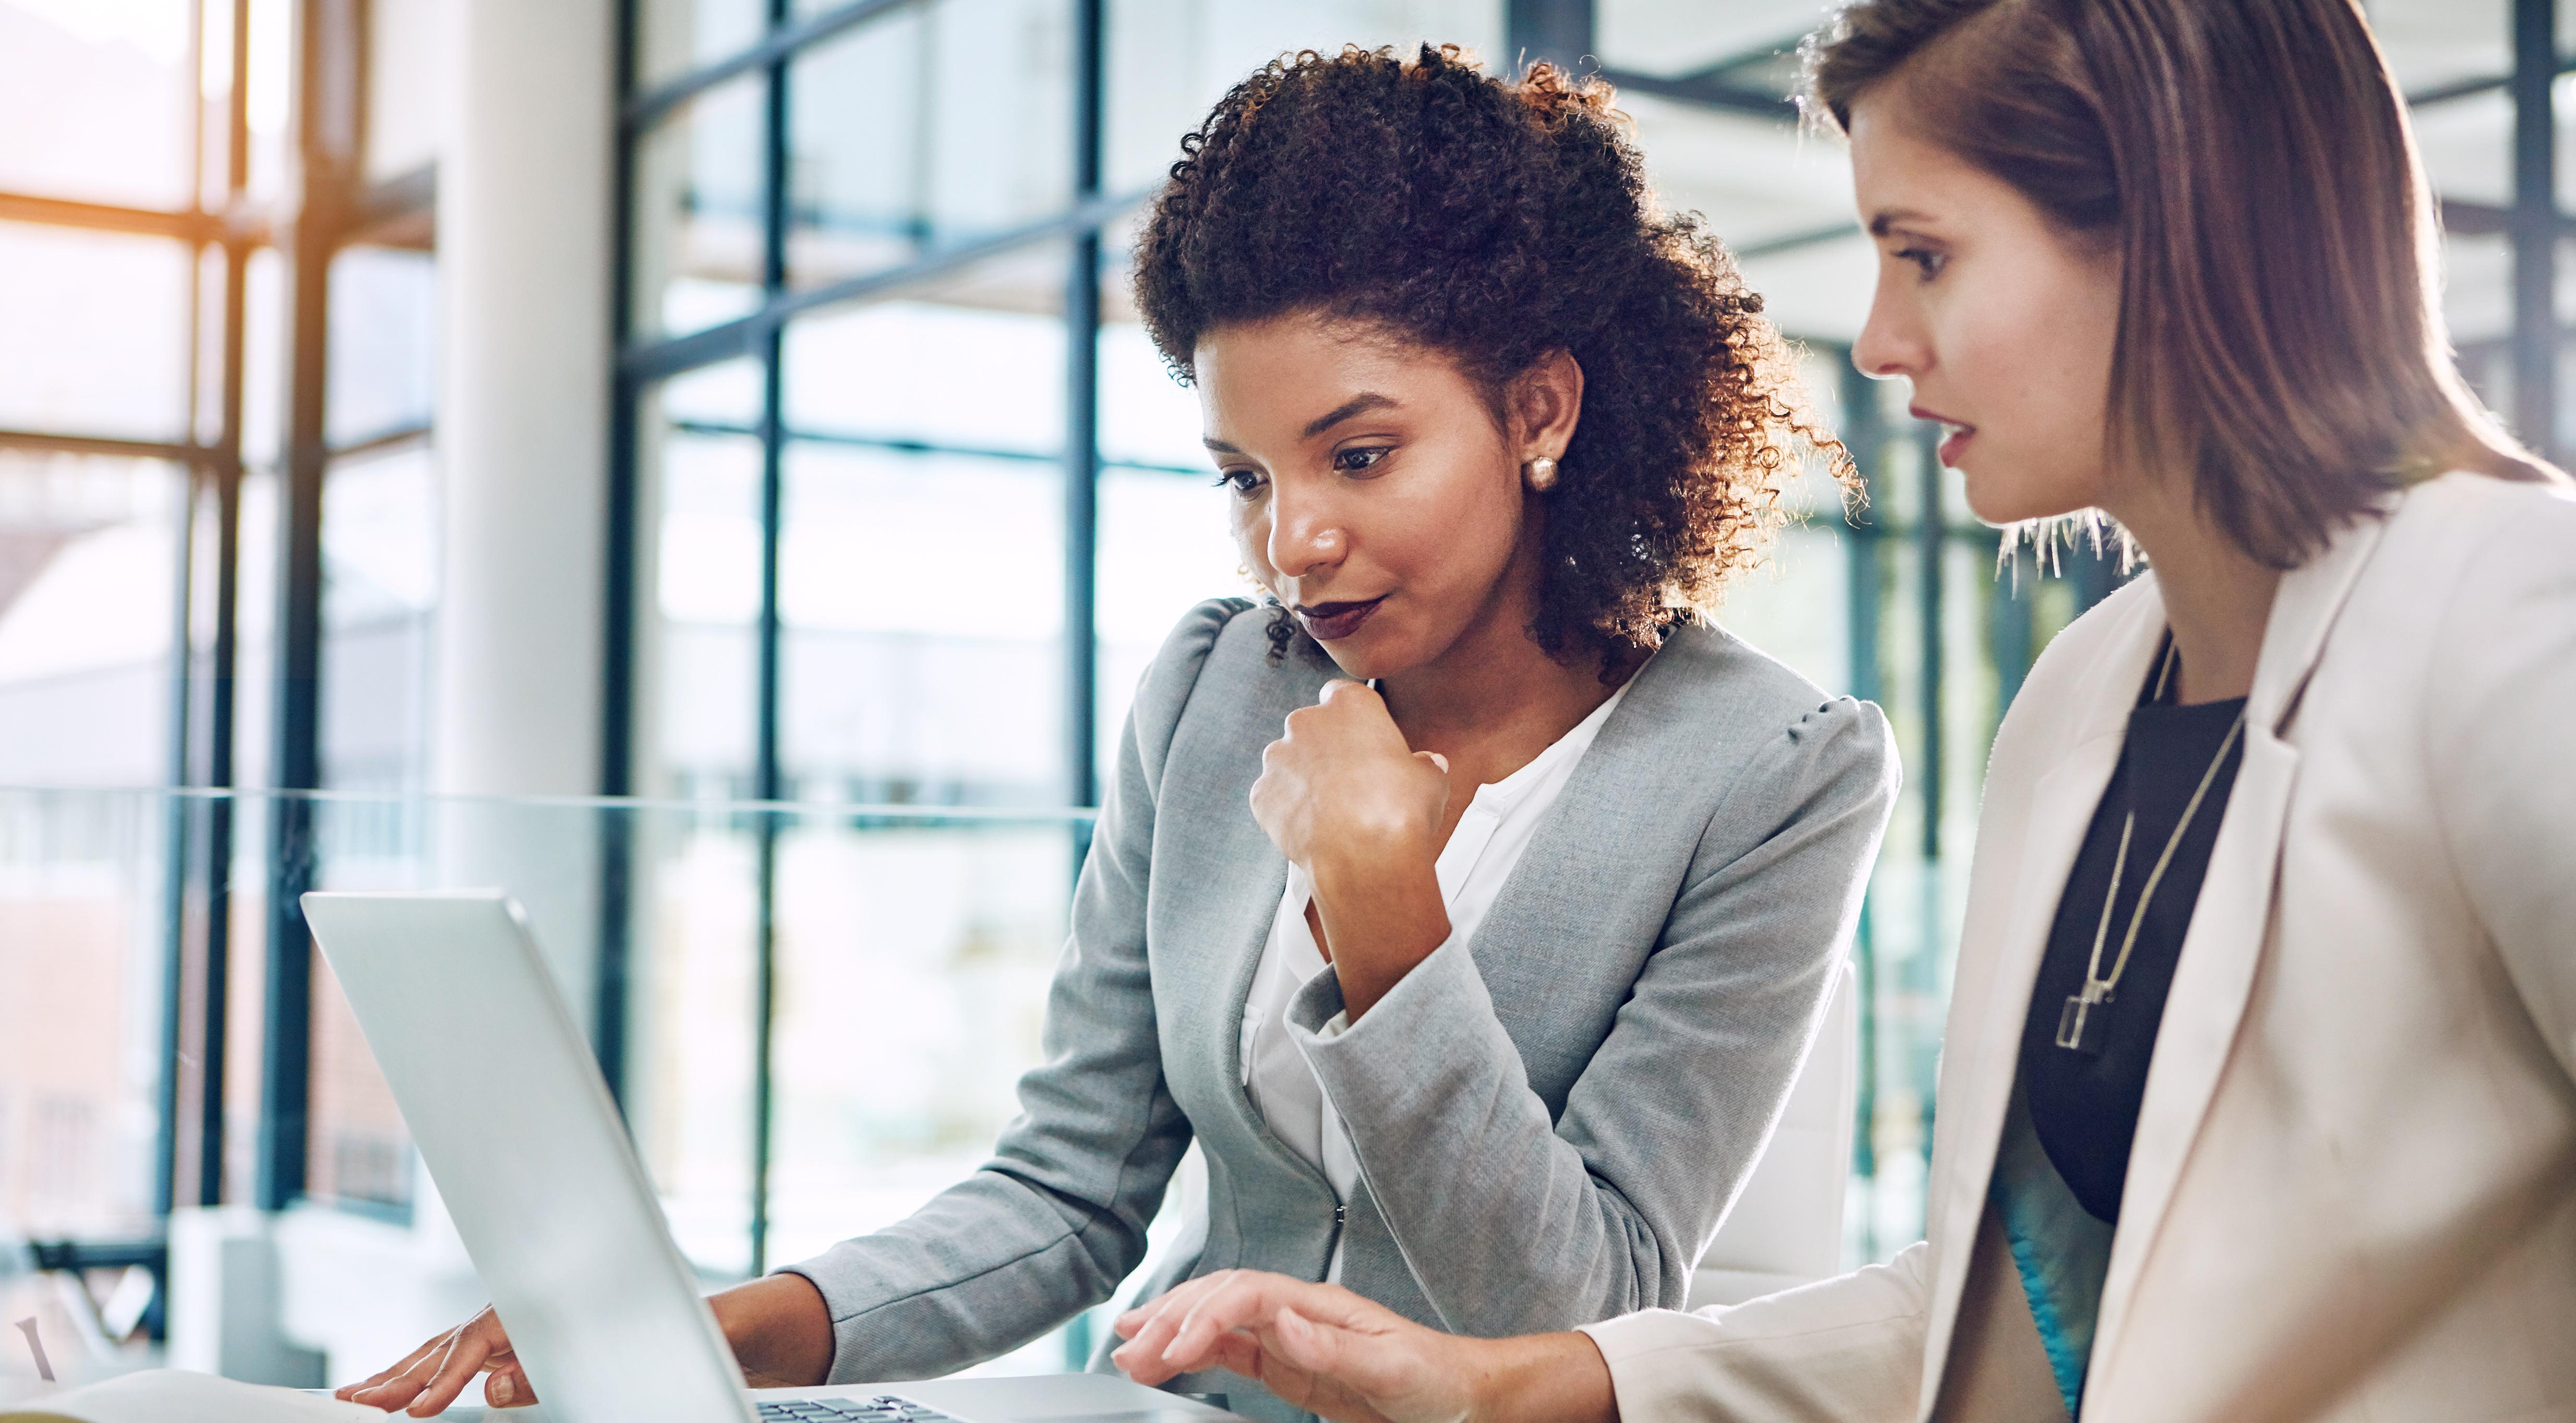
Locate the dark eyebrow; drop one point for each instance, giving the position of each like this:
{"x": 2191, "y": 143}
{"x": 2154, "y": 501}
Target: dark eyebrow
{"x": 1879, "y": 225}
{"x": 1356, "y": 405}
{"x": 1359, "y": 404}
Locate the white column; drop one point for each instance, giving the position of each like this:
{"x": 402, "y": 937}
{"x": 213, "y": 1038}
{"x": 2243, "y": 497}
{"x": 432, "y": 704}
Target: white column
{"x": 525, "y": 238}
{"x": 527, "y": 99}
{"x": 525, "y": 241}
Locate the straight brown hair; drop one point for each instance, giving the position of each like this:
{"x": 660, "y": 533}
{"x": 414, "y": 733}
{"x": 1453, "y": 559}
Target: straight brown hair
{"x": 2280, "y": 335}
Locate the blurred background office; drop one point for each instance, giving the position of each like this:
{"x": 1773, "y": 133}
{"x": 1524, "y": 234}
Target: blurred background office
{"x": 695, "y": 463}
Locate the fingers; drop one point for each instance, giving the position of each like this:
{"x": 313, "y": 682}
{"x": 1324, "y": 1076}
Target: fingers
{"x": 399, "y": 1385}
{"x": 1148, "y": 1331}
{"x": 1182, "y": 1296}
{"x": 1320, "y": 1347}
{"x": 462, "y": 1362}
{"x": 1151, "y": 1327}
{"x": 1342, "y": 689}
{"x": 438, "y": 1371}
{"x": 1239, "y": 1352}
{"x": 508, "y": 1386}
{"x": 1332, "y": 1304}
{"x": 1248, "y": 1300}
{"x": 348, "y": 1392}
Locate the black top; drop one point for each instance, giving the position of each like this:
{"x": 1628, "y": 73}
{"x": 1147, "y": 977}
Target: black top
{"x": 2084, "y": 1105}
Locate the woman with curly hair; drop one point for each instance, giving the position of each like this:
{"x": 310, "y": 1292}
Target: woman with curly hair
{"x": 1471, "y": 899}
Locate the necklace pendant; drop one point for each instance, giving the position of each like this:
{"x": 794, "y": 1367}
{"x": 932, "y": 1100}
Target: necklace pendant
{"x": 2081, "y": 1027}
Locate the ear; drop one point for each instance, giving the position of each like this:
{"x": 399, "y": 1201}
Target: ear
{"x": 1544, "y": 403}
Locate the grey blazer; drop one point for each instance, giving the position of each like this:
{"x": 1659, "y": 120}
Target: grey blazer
{"x": 1550, "y": 1120}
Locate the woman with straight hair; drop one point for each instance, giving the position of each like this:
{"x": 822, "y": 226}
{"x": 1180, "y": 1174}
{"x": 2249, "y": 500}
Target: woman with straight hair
{"x": 1469, "y": 900}
{"x": 2259, "y": 1095}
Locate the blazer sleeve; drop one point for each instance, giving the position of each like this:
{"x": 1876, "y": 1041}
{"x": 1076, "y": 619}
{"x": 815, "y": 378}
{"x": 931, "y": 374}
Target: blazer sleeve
{"x": 2501, "y": 726}
{"x": 1514, "y": 1223}
{"x": 1848, "y": 1348}
{"x": 1057, "y": 1218}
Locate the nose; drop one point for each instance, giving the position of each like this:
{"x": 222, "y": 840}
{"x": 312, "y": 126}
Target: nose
{"x": 1305, "y": 534}
{"x": 1890, "y": 343}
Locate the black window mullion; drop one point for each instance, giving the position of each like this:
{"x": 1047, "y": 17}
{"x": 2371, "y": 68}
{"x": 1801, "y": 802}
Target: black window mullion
{"x": 326, "y": 105}
{"x": 175, "y": 819}
{"x": 215, "y": 862}
{"x": 2534, "y": 225}
{"x": 1864, "y": 434}
{"x": 1082, "y": 427}
{"x": 183, "y": 664}
{"x": 785, "y": 39}
{"x": 768, "y": 783}
{"x": 617, "y": 643}
{"x": 213, "y": 1030}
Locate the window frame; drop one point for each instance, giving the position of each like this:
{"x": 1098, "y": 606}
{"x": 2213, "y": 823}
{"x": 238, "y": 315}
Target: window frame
{"x": 327, "y": 210}
{"x": 1910, "y": 523}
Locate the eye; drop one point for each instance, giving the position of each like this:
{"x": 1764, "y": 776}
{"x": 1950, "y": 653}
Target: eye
{"x": 1925, "y": 260}
{"x": 1245, "y": 483}
{"x": 1359, "y": 460}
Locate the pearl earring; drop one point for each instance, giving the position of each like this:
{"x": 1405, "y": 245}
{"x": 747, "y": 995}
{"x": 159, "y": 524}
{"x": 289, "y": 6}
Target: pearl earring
{"x": 1541, "y": 473}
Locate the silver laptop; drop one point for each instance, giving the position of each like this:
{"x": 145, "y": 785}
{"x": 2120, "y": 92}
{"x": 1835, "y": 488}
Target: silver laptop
{"x": 516, "y": 1125}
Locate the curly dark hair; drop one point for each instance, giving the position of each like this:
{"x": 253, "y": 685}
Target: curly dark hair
{"x": 1498, "y": 221}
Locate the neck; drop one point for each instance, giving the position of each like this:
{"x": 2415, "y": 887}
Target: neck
{"x": 2217, "y": 599}
{"x": 1475, "y": 694}
{"x": 1494, "y": 698}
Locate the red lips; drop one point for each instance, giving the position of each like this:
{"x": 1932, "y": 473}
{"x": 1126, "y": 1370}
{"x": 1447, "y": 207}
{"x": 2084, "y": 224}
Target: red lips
{"x": 1331, "y": 622}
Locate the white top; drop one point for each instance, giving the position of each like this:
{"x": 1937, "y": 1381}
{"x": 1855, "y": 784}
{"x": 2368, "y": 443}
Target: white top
{"x": 1472, "y": 867}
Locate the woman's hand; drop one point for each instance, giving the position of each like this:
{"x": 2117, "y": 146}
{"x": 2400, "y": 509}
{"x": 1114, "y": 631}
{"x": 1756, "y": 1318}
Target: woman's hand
{"x": 430, "y": 1377}
{"x": 1320, "y": 1347}
{"x": 778, "y": 1325}
{"x": 1327, "y": 1350}
{"x": 1341, "y": 794}
{"x": 1341, "y": 784}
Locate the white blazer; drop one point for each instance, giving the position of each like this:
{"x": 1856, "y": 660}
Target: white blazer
{"x": 2352, "y": 1194}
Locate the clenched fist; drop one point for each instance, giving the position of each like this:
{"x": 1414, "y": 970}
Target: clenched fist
{"x": 1342, "y": 783}
{"x": 1342, "y": 795}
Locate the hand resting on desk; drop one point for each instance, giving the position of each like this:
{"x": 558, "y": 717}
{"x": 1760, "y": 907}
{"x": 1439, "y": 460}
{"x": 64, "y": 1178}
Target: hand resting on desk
{"x": 779, "y": 1327}
{"x": 1353, "y": 1360}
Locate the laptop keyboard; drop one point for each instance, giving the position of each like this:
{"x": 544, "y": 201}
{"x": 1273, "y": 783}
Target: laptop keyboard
{"x": 888, "y": 1409}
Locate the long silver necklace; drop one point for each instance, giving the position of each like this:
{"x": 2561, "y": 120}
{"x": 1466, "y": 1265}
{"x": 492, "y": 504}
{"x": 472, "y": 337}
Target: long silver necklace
{"x": 2083, "y": 1025}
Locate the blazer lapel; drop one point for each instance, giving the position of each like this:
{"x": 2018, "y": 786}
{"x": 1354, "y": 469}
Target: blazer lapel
{"x": 2230, "y": 923}
{"x": 1983, "y": 1038}
{"x": 1607, "y": 807}
{"x": 1231, "y": 911}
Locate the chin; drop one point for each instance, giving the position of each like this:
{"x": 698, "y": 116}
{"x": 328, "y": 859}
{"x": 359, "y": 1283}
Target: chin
{"x": 1360, "y": 663}
{"x": 1370, "y": 654}
{"x": 1354, "y": 665}
{"x": 2002, "y": 499}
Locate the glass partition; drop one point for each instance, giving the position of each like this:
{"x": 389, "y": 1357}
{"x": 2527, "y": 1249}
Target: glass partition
{"x": 813, "y": 1056}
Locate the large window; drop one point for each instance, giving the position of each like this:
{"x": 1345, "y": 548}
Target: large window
{"x": 908, "y": 502}
{"x": 902, "y": 501}
{"x": 214, "y": 408}
{"x": 913, "y": 500}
